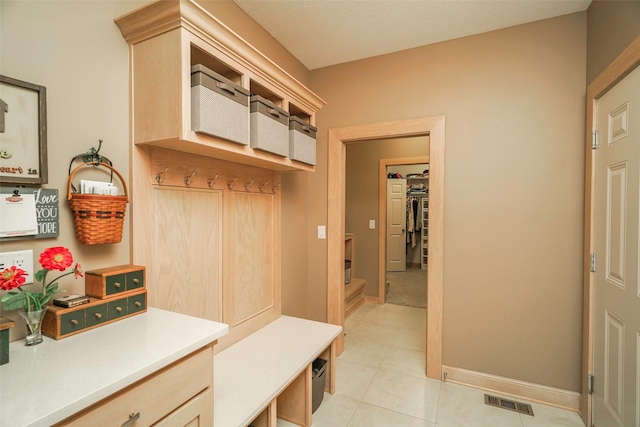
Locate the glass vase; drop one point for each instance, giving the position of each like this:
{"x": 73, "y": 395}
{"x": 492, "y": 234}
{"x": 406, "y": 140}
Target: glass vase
{"x": 34, "y": 325}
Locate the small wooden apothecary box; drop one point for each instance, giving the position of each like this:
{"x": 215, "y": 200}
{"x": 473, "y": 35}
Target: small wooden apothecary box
{"x": 111, "y": 282}
{"x": 61, "y": 322}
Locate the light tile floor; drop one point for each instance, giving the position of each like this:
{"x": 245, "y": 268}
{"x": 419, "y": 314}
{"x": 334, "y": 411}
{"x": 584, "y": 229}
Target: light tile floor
{"x": 381, "y": 382}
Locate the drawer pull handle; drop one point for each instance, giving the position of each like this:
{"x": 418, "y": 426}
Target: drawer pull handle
{"x": 136, "y": 281}
{"x": 74, "y": 322}
{"x": 118, "y": 309}
{"x": 132, "y": 419}
{"x": 117, "y": 285}
{"x": 138, "y": 304}
{"x": 98, "y": 315}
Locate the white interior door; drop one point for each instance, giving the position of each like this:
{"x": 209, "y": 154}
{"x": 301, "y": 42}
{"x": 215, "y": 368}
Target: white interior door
{"x": 616, "y": 314}
{"x": 396, "y": 224}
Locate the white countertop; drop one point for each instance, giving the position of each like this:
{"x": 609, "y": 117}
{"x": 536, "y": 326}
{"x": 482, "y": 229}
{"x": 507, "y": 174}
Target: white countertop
{"x": 252, "y": 372}
{"x": 46, "y": 383}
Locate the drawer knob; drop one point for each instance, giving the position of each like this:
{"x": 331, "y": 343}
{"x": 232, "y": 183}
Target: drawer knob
{"x": 98, "y": 315}
{"x": 132, "y": 419}
{"x": 74, "y": 322}
{"x": 118, "y": 309}
{"x": 117, "y": 285}
{"x": 136, "y": 281}
{"x": 138, "y": 304}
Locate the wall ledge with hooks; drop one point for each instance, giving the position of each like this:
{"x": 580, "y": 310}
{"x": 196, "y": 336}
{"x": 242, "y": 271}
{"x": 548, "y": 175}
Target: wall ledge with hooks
{"x": 191, "y": 171}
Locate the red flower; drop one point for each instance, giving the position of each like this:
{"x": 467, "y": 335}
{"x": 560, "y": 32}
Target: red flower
{"x": 77, "y": 272}
{"x": 56, "y": 258}
{"x": 12, "y": 278}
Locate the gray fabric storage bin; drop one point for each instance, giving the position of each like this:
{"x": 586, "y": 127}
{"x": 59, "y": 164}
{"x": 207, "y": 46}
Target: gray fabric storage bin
{"x": 319, "y": 367}
{"x": 302, "y": 141}
{"x": 269, "y": 127}
{"x": 219, "y": 107}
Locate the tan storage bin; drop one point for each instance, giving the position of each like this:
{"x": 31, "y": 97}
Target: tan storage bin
{"x": 302, "y": 141}
{"x": 269, "y": 127}
{"x": 219, "y": 107}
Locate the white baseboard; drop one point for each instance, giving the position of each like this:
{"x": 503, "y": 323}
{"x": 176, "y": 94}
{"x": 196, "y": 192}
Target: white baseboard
{"x": 560, "y": 398}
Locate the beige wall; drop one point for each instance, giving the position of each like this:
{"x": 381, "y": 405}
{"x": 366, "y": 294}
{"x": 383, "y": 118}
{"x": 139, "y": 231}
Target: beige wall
{"x": 76, "y": 51}
{"x": 361, "y": 193}
{"x": 514, "y": 106}
{"x": 611, "y": 26}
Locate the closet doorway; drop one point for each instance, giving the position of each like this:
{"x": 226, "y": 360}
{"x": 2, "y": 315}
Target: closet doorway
{"x": 404, "y": 284}
{"x": 337, "y": 138}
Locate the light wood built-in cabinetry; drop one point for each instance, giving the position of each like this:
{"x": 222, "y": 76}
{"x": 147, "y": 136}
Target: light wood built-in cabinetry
{"x": 206, "y": 211}
{"x": 167, "y": 38}
{"x": 354, "y": 291}
{"x": 185, "y": 390}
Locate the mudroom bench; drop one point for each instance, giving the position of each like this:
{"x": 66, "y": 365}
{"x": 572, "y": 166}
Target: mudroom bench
{"x": 268, "y": 374}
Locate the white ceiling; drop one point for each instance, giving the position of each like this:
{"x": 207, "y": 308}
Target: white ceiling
{"x": 327, "y": 32}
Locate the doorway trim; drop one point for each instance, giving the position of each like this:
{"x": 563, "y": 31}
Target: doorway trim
{"x": 336, "y": 173}
{"x": 622, "y": 65}
{"x": 382, "y": 216}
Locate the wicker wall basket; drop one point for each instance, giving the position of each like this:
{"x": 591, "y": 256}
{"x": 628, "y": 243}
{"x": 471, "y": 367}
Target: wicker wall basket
{"x": 98, "y": 219}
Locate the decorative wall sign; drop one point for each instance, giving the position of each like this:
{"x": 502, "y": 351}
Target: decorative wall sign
{"x": 23, "y": 132}
{"x": 47, "y": 211}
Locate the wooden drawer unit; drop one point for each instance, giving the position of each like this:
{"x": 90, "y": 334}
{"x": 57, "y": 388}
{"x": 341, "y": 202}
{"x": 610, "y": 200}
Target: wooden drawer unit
{"x": 60, "y": 322}
{"x": 181, "y": 392}
{"x": 113, "y": 281}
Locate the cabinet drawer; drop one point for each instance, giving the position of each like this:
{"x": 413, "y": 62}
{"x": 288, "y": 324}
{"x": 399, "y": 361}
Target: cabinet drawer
{"x": 96, "y": 315}
{"x": 114, "y": 284}
{"x": 111, "y": 282}
{"x": 155, "y": 396}
{"x": 72, "y": 322}
{"x": 136, "y": 303}
{"x": 117, "y": 308}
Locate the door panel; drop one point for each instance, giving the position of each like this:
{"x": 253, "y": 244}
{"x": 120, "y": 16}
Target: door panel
{"x": 396, "y": 224}
{"x": 617, "y": 223}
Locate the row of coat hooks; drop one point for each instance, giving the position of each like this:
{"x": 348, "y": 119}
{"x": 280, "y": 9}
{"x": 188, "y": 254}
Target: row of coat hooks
{"x": 188, "y": 180}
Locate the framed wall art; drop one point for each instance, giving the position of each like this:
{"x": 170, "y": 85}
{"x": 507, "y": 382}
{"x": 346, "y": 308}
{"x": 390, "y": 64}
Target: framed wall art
{"x": 23, "y": 132}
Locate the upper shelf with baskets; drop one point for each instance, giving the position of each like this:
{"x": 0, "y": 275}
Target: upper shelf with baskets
{"x": 167, "y": 39}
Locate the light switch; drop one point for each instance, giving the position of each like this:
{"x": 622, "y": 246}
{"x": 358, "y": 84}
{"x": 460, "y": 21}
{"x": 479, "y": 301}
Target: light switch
{"x": 322, "y": 232}
{"x": 372, "y": 224}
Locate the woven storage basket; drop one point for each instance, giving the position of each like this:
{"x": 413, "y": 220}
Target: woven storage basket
{"x": 98, "y": 219}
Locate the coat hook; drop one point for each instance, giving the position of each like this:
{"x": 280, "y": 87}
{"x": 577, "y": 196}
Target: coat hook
{"x": 159, "y": 176}
{"x": 210, "y": 181}
{"x": 261, "y": 187}
{"x": 247, "y": 186}
{"x": 275, "y": 188}
{"x": 231, "y": 184}
{"x": 187, "y": 180}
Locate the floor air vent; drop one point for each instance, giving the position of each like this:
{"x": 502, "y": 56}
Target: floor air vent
{"x": 522, "y": 408}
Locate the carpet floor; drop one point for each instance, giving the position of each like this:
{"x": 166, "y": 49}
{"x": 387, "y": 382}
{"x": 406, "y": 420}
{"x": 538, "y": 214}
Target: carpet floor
{"x": 407, "y": 287}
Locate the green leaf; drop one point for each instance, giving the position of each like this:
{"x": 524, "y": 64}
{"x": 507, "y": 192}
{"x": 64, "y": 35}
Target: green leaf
{"x": 52, "y": 289}
{"x": 45, "y": 300}
{"x": 14, "y": 300}
{"x": 9, "y": 295}
{"x": 35, "y": 300}
{"x": 41, "y": 274}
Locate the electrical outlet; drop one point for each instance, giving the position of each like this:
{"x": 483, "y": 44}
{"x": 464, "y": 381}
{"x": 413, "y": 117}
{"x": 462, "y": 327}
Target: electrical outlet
{"x": 21, "y": 259}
